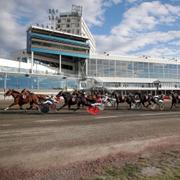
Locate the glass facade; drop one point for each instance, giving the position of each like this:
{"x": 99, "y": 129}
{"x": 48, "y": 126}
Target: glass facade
{"x": 168, "y": 74}
{"x": 132, "y": 69}
{"x": 36, "y": 82}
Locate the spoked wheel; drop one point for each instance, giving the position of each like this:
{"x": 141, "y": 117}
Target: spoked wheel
{"x": 133, "y": 106}
{"x": 44, "y": 108}
{"x": 138, "y": 106}
{"x": 153, "y": 106}
{"x": 161, "y": 106}
{"x": 101, "y": 107}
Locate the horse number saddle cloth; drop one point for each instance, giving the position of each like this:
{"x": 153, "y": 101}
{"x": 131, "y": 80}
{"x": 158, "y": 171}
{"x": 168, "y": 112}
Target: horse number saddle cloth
{"x": 73, "y": 99}
{"x": 24, "y": 96}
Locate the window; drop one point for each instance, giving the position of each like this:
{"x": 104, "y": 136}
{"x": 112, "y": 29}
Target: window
{"x": 68, "y": 67}
{"x": 24, "y": 59}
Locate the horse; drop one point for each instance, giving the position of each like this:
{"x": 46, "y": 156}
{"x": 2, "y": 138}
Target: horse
{"x": 69, "y": 100}
{"x": 34, "y": 99}
{"x": 174, "y": 99}
{"x": 76, "y": 98}
{"x": 16, "y": 95}
{"x": 143, "y": 98}
{"x": 129, "y": 99}
{"x": 21, "y": 98}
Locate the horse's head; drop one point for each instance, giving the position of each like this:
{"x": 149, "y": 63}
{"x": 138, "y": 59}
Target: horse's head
{"x": 11, "y": 92}
{"x": 61, "y": 93}
{"x": 8, "y": 92}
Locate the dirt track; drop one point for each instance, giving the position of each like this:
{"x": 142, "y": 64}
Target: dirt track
{"x": 31, "y": 141}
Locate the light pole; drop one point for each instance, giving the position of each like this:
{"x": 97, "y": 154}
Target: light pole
{"x": 65, "y": 78}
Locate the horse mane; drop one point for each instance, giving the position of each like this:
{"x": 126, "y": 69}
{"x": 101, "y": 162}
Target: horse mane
{"x": 25, "y": 90}
{"x": 59, "y": 93}
{"x": 16, "y": 91}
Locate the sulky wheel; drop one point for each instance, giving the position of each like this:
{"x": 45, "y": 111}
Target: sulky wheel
{"x": 161, "y": 106}
{"x": 44, "y": 108}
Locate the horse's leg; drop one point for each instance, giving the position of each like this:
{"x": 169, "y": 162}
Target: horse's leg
{"x": 149, "y": 103}
{"x": 69, "y": 106}
{"x": 78, "y": 106}
{"x": 173, "y": 104}
{"x": 117, "y": 105}
{"x": 20, "y": 107}
{"x": 13, "y": 104}
{"x": 31, "y": 105}
{"x": 143, "y": 103}
{"x": 61, "y": 107}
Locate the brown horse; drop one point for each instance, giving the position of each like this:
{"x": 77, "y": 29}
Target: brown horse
{"x": 16, "y": 95}
{"x": 25, "y": 97}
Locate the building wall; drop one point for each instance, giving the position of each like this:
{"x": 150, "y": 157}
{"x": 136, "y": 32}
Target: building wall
{"x": 48, "y": 42}
{"x": 75, "y": 24}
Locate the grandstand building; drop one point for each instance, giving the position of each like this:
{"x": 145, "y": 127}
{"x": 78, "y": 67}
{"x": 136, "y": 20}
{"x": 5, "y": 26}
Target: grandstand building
{"x": 72, "y": 22}
{"x": 56, "y": 58}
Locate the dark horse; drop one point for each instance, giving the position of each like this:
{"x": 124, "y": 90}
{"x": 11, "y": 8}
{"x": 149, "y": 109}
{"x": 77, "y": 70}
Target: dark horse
{"x": 76, "y": 98}
{"x": 22, "y": 98}
{"x": 174, "y": 99}
{"x": 129, "y": 99}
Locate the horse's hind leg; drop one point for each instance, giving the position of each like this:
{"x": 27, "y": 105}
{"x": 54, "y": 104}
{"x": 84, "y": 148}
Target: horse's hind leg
{"x": 78, "y": 107}
{"x": 30, "y": 107}
{"x": 61, "y": 107}
{"x": 117, "y": 105}
{"x": 173, "y": 105}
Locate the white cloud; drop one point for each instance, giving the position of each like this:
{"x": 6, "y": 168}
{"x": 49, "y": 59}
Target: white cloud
{"x": 145, "y": 17}
{"x": 167, "y": 52}
{"x": 17, "y": 15}
{"x": 129, "y": 45}
{"x": 139, "y": 30}
{"x": 132, "y": 1}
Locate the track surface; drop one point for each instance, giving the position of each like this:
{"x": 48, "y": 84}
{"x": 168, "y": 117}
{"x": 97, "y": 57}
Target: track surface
{"x": 32, "y": 140}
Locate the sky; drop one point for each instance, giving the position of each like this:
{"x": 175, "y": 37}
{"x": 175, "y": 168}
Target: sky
{"x": 121, "y": 27}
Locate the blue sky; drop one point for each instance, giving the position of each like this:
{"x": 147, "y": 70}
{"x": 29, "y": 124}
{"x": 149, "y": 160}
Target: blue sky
{"x": 122, "y": 27}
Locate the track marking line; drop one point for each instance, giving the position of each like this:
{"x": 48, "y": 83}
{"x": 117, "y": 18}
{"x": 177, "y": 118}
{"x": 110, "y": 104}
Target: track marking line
{"x": 105, "y": 117}
{"x": 130, "y": 115}
{"x": 154, "y": 114}
{"x": 50, "y": 120}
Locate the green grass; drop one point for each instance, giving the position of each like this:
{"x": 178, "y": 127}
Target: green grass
{"x": 164, "y": 166}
